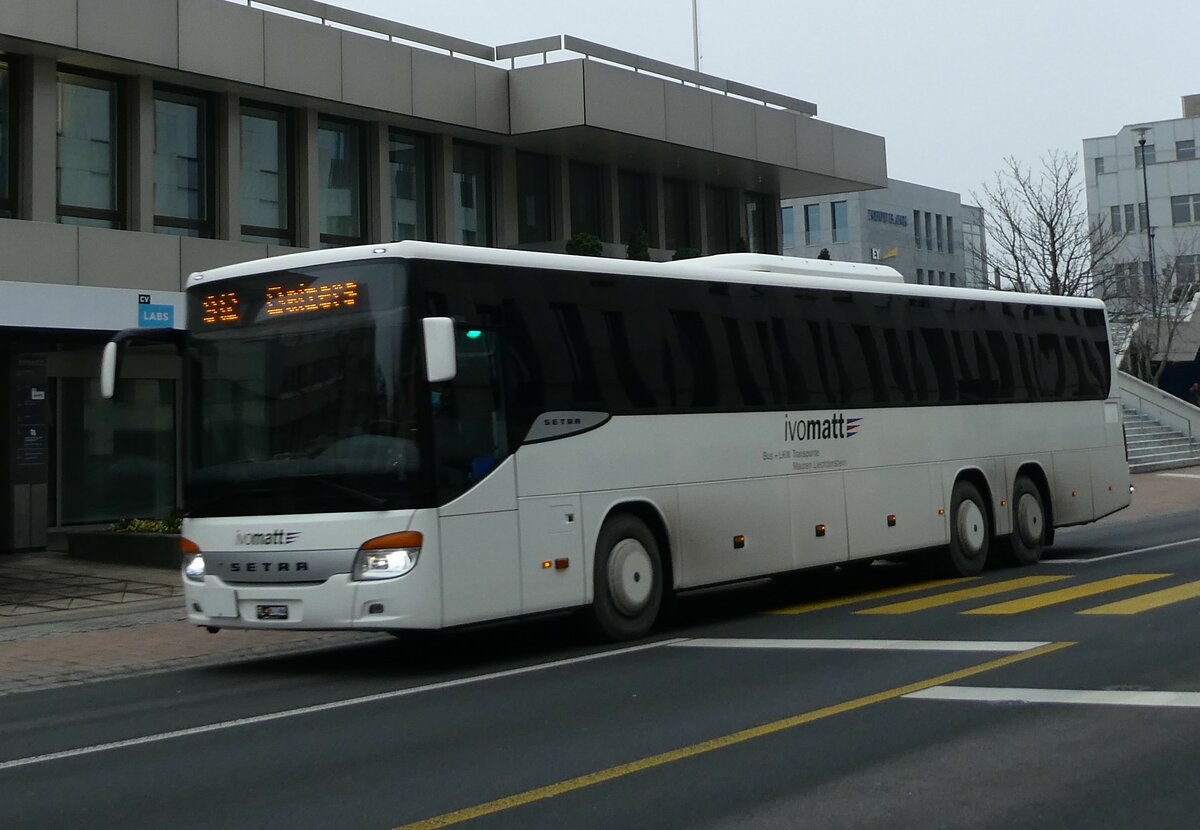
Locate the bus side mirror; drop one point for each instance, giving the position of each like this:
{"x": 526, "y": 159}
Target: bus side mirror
{"x": 108, "y": 369}
{"x": 440, "y": 361}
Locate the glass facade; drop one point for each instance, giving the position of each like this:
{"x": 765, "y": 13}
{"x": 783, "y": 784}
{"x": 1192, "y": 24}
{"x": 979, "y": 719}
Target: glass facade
{"x": 587, "y": 205}
{"x": 264, "y": 176}
{"x": 634, "y": 207}
{"x": 812, "y": 224}
{"x": 717, "y": 219}
{"x": 756, "y": 224}
{"x": 472, "y": 194}
{"x": 840, "y": 224}
{"x": 533, "y": 198}
{"x": 340, "y": 173}
{"x": 87, "y": 151}
{"x": 124, "y": 450}
{"x": 677, "y": 215}
{"x": 409, "y": 175}
{"x": 788, "y": 221}
{"x": 6, "y": 153}
{"x": 181, "y": 177}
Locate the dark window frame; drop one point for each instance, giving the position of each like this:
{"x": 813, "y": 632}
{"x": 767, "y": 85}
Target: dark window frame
{"x": 207, "y": 140}
{"x": 117, "y": 215}
{"x": 489, "y": 190}
{"x": 287, "y": 236}
{"x": 359, "y": 128}
{"x": 8, "y": 200}
{"x": 426, "y": 199}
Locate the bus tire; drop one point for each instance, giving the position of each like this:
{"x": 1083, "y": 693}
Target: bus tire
{"x": 1028, "y": 537}
{"x": 627, "y": 579}
{"x": 970, "y": 531}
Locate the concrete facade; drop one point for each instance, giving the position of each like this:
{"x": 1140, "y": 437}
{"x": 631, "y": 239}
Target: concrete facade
{"x": 615, "y": 114}
{"x": 927, "y": 234}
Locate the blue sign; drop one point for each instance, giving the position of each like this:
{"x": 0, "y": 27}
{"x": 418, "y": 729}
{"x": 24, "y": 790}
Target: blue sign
{"x": 889, "y": 218}
{"x": 156, "y": 316}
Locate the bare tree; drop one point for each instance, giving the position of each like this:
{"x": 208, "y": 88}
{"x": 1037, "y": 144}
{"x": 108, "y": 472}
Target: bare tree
{"x": 1040, "y": 238}
{"x": 1153, "y": 307}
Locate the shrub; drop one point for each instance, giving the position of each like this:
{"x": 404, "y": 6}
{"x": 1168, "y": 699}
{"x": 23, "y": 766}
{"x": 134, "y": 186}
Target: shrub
{"x": 171, "y": 524}
{"x": 585, "y": 244}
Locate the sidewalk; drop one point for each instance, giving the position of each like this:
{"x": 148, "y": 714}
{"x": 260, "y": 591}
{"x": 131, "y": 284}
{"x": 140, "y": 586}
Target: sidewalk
{"x": 65, "y": 620}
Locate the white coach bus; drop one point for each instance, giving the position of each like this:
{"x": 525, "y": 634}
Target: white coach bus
{"x": 417, "y": 435}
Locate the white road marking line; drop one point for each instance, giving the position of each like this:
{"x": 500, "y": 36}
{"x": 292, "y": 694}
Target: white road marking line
{"x": 862, "y": 645}
{"x": 1119, "y": 555}
{"x": 1178, "y": 475}
{"x": 1186, "y": 700}
{"x": 324, "y": 707}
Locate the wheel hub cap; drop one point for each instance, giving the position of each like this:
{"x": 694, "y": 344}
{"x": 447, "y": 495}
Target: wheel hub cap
{"x": 1029, "y": 519}
{"x": 971, "y": 528}
{"x": 630, "y": 577}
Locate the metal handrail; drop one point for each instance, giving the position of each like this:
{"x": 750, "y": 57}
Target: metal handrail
{"x": 327, "y": 13}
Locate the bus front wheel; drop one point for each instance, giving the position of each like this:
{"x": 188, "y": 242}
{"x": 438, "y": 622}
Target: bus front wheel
{"x": 970, "y": 531}
{"x": 1029, "y": 523}
{"x": 628, "y": 581}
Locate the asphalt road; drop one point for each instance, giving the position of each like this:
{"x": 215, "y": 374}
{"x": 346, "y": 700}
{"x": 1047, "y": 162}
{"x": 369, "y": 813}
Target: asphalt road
{"x": 764, "y": 706}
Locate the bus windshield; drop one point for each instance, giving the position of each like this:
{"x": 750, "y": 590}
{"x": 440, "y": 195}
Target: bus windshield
{"x": 302, "y": 393}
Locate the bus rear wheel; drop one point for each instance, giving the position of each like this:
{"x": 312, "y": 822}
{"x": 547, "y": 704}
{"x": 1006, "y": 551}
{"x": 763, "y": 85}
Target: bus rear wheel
{"x": 1029, "y": 523}
{"x": 970, "y": 531}
{"x": 628, "y": 579}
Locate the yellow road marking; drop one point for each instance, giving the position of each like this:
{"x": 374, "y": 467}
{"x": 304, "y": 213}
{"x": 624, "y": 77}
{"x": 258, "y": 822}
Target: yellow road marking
{"x": 1017, "y": 606}
{"x": 885, "y": 593}
{"x": 1148, "y": 602}
{"x": 938, "y": 600}
{"x": 732, "y": 739}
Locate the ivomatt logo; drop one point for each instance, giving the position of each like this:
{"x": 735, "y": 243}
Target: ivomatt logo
{"x": 819, "y": 429}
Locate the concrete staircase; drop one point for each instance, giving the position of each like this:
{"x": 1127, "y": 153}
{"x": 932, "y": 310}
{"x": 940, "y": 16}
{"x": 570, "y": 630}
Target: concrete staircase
{"x": 1154, "y": 446}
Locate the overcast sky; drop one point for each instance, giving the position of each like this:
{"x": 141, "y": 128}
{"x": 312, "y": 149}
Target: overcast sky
{"x": 954, "y": 86}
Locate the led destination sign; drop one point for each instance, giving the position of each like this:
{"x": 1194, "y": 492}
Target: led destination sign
{"x": 280, "y": 301}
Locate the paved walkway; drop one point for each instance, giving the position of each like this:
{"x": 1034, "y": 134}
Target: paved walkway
{"x": 65, "y": 620}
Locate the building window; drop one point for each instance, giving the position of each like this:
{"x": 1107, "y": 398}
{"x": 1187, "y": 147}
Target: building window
{"x": 1130, "y": 221}
{"x": 812, "y": 224}
{"x": 87, "y": 151}
{"x": 264, "y": 177}
{"x": 839, "y": 221}
{"x": 586, "y": 202}
{"x": 953, "y": 278}
{"x": 928, "y": 231}
{"x": 633, "y": 206}
{"x": 940, "y": 234}
{"x": 1185, "y": 210}
{"x": 1114, "y": 216}
{"x": 718, "y": 220}
{"x": 408, "y": 171}
{"x": 677, "y": 215}
{"x": 1098, "y": 161}
{"x": 949, "y": 234}
{"x": 6, "y": 149}
{"x": 917, "y": 228}
{"x": 533, "y": 198}
{"x": 1143, "y": 151}
{"x": 1187, "y": 278}
{"x": 920, "y": 276}
{"x": 340, "y": 173}
{"x": 472, "y": 194}
{"x": 789, "y": 227}
{"x": 756, "y": 224}
{"x": 1185, "y": 150}
{"x": 941, "y": 277}
{"x": 1143, "y": 216}
{"x": 181, "y": 171}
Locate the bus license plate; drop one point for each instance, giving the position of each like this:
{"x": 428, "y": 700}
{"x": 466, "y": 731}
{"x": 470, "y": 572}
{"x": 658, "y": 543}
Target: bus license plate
{"x": 272, "y": 612}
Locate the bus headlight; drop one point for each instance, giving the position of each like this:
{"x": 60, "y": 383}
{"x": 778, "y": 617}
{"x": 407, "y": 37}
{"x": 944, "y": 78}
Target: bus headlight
{"x": 193, "y": 560}
{"x": 387, "y": 557}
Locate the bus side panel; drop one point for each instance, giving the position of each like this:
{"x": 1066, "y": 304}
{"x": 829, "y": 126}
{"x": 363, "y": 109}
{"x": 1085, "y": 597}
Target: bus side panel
{"x": 479, "y": 544}
{"x": 816, "y": 500}
{"x": 551, "y": 531}
{"x": 711, "y": 515}
{"x": 1110, "y": 480}
{"x": 911, "y": 494}
{"x": 1072, "y": 487}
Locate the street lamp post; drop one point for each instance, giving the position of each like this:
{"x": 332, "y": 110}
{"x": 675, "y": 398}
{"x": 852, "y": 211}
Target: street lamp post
{"x": 1141, "y": 133}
